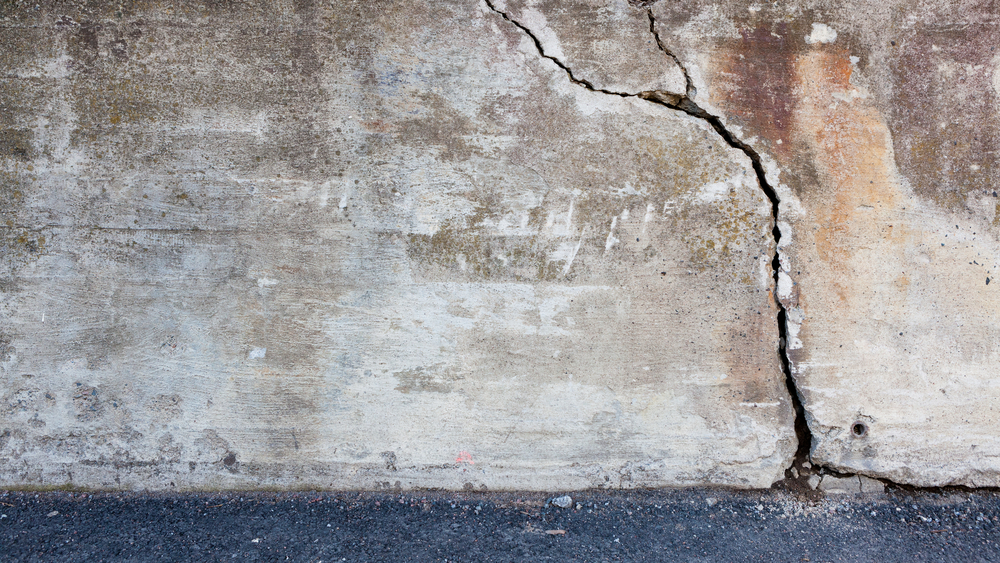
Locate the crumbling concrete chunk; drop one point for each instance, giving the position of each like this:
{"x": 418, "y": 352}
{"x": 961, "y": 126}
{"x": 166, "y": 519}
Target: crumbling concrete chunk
{"x": 833, "y": 485}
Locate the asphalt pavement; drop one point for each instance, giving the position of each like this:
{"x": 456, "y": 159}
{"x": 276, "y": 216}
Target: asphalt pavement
{"x": 671, "y": 525}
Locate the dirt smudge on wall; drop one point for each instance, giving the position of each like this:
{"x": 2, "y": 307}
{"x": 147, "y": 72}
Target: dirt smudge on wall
{"x": 952, "y": 157}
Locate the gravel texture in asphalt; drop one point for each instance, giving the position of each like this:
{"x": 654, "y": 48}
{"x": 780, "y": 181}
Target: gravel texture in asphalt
{"x": 675, "y": 525}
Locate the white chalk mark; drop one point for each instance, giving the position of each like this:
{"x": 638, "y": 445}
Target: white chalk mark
{"x": 611, "y": 235}
{"x": 646, "y": 218}
{"x": 572, "y": 256}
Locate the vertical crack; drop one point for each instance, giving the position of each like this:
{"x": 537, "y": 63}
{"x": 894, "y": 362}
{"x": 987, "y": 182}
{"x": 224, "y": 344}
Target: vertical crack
{"x": 689, "y": 91}
{"x": 687, "y": 105}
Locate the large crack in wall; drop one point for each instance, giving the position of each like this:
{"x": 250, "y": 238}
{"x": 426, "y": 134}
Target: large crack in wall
{"x": 210, "y": 256}
{"x": 685, "y": 103}
{"x": 372, "y": 220}
{"x": 439, "y": 268}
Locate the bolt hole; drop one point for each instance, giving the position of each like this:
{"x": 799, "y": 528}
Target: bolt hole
{"x": 859, "y": 429}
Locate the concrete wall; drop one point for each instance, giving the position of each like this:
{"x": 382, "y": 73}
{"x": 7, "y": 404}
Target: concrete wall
{"x": 493, "y": 245}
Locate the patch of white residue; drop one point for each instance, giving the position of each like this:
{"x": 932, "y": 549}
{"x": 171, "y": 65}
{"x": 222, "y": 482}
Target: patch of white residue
{"x": 793, "y": 322}
{"x": 785, "y": 285}
{"x": 718, "y": 191}
{"x": 539, "y": 26}
{"x": 821, "y": 33}
{"x": 715, "y": 191}
{"x": 764, "y": 273}
{"x": 611, "y": 235}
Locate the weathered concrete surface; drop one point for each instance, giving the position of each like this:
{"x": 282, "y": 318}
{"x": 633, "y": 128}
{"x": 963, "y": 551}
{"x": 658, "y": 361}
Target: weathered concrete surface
{"x": 876, "y": 122}
{"x": 299, "y": 245}
{"x": 607, "y": 44}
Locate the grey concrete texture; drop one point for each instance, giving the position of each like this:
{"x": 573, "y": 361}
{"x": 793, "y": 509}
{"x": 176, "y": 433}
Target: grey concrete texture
{"x": 311, "y": 246}
{"x": 368, "y": 246}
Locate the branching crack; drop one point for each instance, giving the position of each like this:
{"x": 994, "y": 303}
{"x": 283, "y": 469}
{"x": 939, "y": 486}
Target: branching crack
{"x": 690, "y": 91}
{"x": 541, "y": 51}
{"x": 687, "y": 105}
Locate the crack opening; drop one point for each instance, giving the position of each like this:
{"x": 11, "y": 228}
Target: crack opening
{"x": 689, "y": 90}
{"x": 541, "y": 51}
{"x": 687, "y": 105}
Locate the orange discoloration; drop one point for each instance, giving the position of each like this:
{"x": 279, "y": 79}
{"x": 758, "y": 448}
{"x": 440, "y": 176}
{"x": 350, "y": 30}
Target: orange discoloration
{"x": 859, "y": 189}
{"x": 902, "y": 282}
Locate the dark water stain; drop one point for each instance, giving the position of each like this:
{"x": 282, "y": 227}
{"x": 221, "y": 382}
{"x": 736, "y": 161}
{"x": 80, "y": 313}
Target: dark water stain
{"x": 87, "y": 37}
{"x": 7, "y": 348}
{"x": 16, "y": 144}
{"x": 943, "y": 117}
{"x": 761, "y": 68}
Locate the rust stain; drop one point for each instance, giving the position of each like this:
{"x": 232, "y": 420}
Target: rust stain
{"x": 852, "y": 152}
{"x": 378, "y": 126}
{"x": 757, "y": 82}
